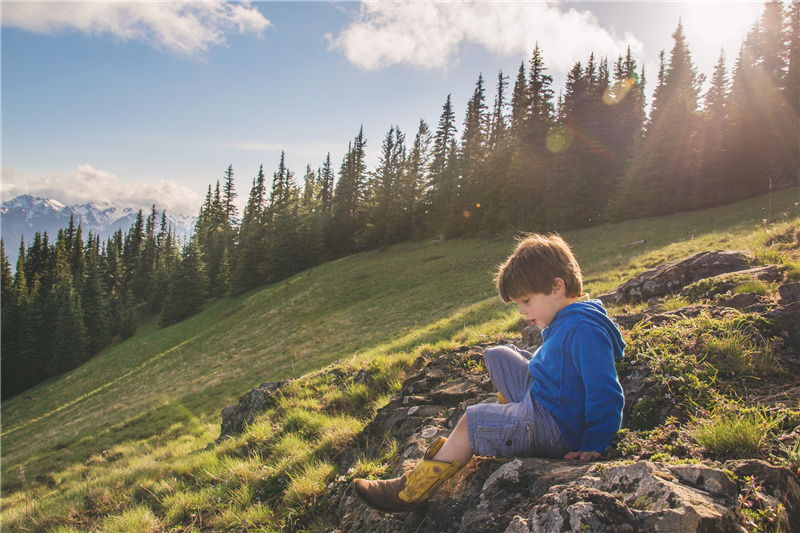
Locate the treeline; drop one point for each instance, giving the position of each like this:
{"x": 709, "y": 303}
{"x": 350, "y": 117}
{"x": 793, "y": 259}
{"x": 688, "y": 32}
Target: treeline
{"x": 69, "y": 299}
{"x": 527, "y": 160}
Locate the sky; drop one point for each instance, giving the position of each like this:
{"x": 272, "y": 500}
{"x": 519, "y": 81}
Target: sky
{"x": 142, "y": 103}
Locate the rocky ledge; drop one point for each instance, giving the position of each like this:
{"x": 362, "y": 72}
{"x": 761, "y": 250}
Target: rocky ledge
{"x": 631, "y": 490}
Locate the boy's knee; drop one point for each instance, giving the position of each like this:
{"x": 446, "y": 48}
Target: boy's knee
{"x": 494, "y": 353}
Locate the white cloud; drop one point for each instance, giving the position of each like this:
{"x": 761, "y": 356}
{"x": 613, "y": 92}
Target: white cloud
{"x": 183, "y": 28}
{"x": 88, "y": 184}
{"x": 428, "y": 34}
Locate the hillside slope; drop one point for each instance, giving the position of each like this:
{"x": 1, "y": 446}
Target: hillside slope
{"x": 169, "y": 385}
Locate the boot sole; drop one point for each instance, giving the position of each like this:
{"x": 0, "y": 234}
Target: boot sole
{"x": 411, "y": 509}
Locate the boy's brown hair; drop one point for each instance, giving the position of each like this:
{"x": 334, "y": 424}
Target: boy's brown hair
{"x": 535, "y": 264}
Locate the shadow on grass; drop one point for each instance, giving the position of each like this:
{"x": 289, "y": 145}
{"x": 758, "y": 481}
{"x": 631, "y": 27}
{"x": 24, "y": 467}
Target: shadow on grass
{"x": 166, "y": 422}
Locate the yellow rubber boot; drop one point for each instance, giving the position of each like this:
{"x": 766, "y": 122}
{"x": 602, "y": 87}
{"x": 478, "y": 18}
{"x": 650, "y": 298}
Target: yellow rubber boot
{"x": 410, "y": 491}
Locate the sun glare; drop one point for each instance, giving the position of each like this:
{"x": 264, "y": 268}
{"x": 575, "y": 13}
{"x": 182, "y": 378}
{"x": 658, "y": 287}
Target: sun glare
{"x": 719, "y": 24}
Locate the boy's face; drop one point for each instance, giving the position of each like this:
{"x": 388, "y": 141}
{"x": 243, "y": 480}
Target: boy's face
{"x": 540, "y": 309}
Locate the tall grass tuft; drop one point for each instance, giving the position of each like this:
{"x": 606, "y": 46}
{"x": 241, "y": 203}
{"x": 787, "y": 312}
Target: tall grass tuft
{"x": 735, "y": 352}
{"x": 308, "y": 484}
{"x": 755, "y": 286}
{"x": 734, "y": 433}
{"x": 138, "y": 519}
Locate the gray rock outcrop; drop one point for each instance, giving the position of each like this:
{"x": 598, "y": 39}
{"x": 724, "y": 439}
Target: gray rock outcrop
{"x": 671, "y": 277}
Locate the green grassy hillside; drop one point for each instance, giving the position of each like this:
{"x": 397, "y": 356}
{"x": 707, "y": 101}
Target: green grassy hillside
{"x": 171, "y": 384}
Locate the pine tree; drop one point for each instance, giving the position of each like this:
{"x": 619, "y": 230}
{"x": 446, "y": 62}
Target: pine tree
{"x": 326, "y": 180}
{"x": 188, "y": 287}
{"x": 282, "y": 239}
{"x": 527, "y": 172}
{"x": 713, "y": 137}
{"x": 348, "y": 210}
{"x": 229, "y": 197}
{"x": 96, "y": 317}
{"x": 472, "y": 171}
{"x": 21, "y": 363}
{"x": 519, "y": 104}
{"x": 443, "y": 172}
{"x": 249, "y": 271}
{"x": 6, "y": 278}
{"x": 326, "y": 177}
{"x": 667, "y": 167}
{"x": 498, "y": 123}
{"x": 386, "y": 183}
{"x": 791, "y": 85}
{"x": 761, "y": 141}
{"x": 500, "y": 144}
{"x": 68, "y": 340}
{"x": 415, "y": 180}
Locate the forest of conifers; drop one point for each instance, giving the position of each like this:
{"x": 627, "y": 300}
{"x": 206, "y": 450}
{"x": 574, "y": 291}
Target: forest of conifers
{"x": 527, "y": 161}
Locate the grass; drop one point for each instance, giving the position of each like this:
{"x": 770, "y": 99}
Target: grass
{"x": 737, "y": 434}
{"x": 122, "y": 440}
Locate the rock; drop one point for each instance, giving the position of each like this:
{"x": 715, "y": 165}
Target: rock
{"x": 525, "y": 495}
{"x": 531, "y": 339}
{"x": 236, "y": 417}
{"x": 787, "y": 318}
{"x": 741, "y": 301}
{"x": 790, "y": 292}
{"x": 775, "y": 485}
{"x": 671, "y": 277}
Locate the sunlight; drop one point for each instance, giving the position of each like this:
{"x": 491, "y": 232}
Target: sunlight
{"x": 712, "y": 26}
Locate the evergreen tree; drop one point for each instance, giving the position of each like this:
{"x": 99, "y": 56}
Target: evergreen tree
{"x": 713, "y": 138}
{"x": 761, "y": 144}
{"x": 527, "y": 172}
{"x": 188, "y": 287}
{"x": 474, "y": 152}
{"x": 310, "y": 222}
{"x": 68, "y": 339}
{"x": 10, "y": 360}
{"x": 326, "y": 178}
{"x": 792, "y": 80}
{"x": 498, "y": 125}
{"x": 496, "y": 167}
{"x": 443, "y": 172}
{"x": 519, "y": 103}
{"x": 668, "y": 165}
{"x": 386, "y": 183}
{"x": 282, "y": 259}
{"x": 95, "y": 304}
{"x": 248, "y": 272}
{"x": 348, "y": 209}
{"x": 229, "y": 197}
{"x": 6, "y": 278}
{"x": 415, "y": 178}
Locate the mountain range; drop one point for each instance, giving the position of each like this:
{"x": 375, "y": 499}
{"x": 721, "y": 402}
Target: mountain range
{"x": 25, "y": 215}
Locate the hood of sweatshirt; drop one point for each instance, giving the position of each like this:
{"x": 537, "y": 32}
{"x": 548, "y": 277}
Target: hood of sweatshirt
{"x": 590, "y": 310}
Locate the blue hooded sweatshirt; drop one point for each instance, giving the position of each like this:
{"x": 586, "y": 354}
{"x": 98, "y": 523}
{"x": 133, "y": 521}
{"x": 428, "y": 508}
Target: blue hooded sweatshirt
{"x": 574, "y": 375}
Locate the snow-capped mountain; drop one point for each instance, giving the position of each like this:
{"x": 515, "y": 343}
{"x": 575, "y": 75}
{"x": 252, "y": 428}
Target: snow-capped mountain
{"x": 25, "y": 215}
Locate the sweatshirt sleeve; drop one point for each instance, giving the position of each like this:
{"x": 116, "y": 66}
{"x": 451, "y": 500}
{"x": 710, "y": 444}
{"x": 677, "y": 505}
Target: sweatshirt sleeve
{"x": 593, "y": 356}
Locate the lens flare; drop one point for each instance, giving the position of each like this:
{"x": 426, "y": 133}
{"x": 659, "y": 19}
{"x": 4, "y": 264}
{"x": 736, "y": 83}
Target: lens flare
{"x": 616, "y": 93}
{"x": 559, "y": 138}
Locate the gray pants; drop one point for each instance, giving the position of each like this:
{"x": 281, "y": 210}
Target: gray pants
{"x": 520, "y": 428}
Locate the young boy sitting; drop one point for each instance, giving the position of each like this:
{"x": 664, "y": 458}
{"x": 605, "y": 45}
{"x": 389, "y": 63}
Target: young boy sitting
{"x": 565, "y": 402}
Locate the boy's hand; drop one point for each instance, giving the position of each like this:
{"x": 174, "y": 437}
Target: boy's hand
{"x": 583, "y": 456}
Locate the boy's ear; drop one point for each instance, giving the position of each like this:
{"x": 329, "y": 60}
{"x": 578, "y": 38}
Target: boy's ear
{"x": 559, "y": 287}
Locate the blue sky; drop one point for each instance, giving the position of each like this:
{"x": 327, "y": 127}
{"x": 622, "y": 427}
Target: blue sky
{"x": 149, "y": 102}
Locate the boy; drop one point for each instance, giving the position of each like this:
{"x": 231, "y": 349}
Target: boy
{"x": 565, "y": 402}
